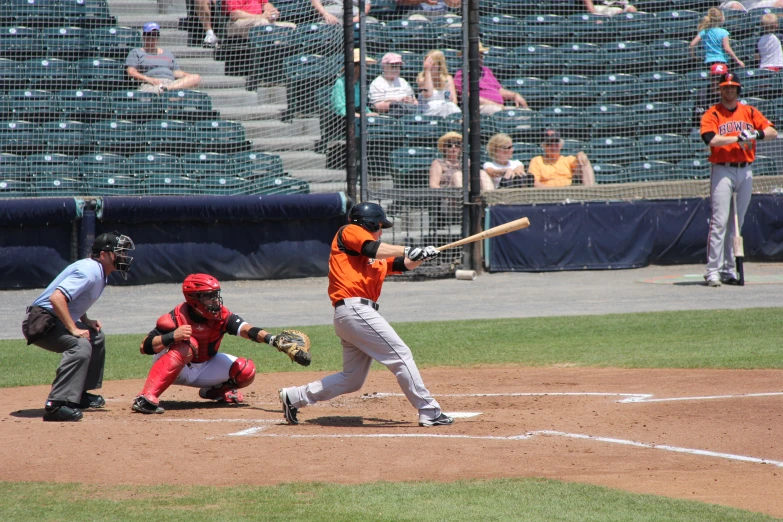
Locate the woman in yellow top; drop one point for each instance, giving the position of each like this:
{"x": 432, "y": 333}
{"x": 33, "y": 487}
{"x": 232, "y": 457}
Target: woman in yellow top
{"x": 554, "y": 170}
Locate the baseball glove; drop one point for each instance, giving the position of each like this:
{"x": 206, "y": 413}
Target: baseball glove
{"x": 294, "y": 344}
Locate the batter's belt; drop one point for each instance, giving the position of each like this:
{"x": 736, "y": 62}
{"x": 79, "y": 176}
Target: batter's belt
{"x": 361, "y": 300}
{"x": 735, "y": 165}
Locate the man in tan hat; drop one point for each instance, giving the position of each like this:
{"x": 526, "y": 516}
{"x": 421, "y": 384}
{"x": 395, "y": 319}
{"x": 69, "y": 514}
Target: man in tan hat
{"x": 338, "y": 91}
{"x": 389, "y": 93}
{"x": 492, "y": 96}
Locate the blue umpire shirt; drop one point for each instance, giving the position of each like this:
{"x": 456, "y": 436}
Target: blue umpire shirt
{"x": 82, "y": 283}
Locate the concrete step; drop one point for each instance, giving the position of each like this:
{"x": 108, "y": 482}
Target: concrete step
{"x": 272, "y": 95}
{"x": 319, "y": 175}
{"x": 133, "y": 7}
{"x": 267, "y": 129}
{"x": 203, "y": 66}
{"x": 170, "y": 39}
{"x": 328, "y": 188}
{"x": 302, "y": 160}
{"x": 224, "y": 98}
{"x": 304, "y": 126}
{"x": 218, "y": 82}
{"x": 137, "y": 20}
{"x": 183, "y": 52}
{"x": 255, "y": 113}
{"x": 290, "y": 143}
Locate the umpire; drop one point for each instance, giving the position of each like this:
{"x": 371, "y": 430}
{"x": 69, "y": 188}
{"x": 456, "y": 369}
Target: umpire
{"x": 57, "y": 321}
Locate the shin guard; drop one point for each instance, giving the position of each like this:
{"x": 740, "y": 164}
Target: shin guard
{"x": 162, "y": 374}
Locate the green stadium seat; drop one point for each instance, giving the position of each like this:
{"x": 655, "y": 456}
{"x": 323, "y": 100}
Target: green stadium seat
{"x": 102, "y": 74}
{"x": 378, "y": 42}
{"x": 11, "y": 75}
{"x": 252, "y": 165}
{"x": 13, "y": 167}
{"x": 653, "y": 6}
{"x": 20, "y": 43}
{"x": 546, "y": 29}
{"x": 226, "y": 185}
{"x": 587, "y": 27}
{"x": 304, "y": 71}
{"x": 557, "y": 7}
{"x": 538, "y": 60}
{"x": 693, "y": 168}
{"x": 421, "y": 131}
{"x": 664, "y": 147}
{"x": 273, "y": 45}
{"x": 502, "y": 61}
{"x": 114, "y": 185}
{"x": 615, "y": 150}
{"x": 169, "y": 136}
{"x": 501, "y": 30}
{"x": 607, "y": 173}
{"x": 582, "y": 58}
{"x": 171, "y": 185}
{"x": 765, "y": 166}
{"x": 697, "y": 147}
{"x": 525, "y": 152}
{"x": 605, "y": 120}
{"x": 101, "y": 165}
{"x": 623, "y": 89}
{"x": 50, "y": 74}
{"x": 83, "y": 105}
{"x": 694, "y": 5}
{"x": 188, "y": 105}
{"x": 55, "y": 174}
{"x": 117, "y": 136}
{"x": 66, "y": 136}
{"x": 535, "y": 91}
{"x": 650, "y": 171}
{"x": 319, "y": 38}
{"x": 696, "y": 80}
{"x": 11, "y": 188}
{"x": 147, "y": 164}
{"x": 282, "y": 185}
{"x": 671, "y": 55}
{"x": 220, "y": 136}
{"x": 419, "y": 36}
{"x": 34, "y": 13}
{"x": 571, "y": 147}
{"x": 57, "y": 186}
{"x": 114, "y": 42}
{"x": 664, "y": 87}
{"x": 520, "y": 124}
{"x": 572, "y": 89}
{"x": 297, "y": 12}
{"x": 626, "y": 56}
{"x": 135, "y": 106}
{"x": 200, "y": 165}
{"x": 760, "y": 83}
{"x": 384, "y": 134}
{"x": 34, "y": 105}
{"x": 739, "y": 24}
{"x": 566, "y": 119}
{"x": 86, "y": 13}
{"x": 678, "y": 24}
{"x": 20, "y": 137}
{"x": 67, "y": 43}
{"x": 635, "y": 27}
{"x": 658, "y": 117}
{"x": 411, "y": 166}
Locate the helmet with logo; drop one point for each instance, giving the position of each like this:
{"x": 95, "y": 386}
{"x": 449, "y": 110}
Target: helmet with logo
{"x": 202, "y": 292}
{"x": 729, "y": 80}
{"x": 370, "y": 216}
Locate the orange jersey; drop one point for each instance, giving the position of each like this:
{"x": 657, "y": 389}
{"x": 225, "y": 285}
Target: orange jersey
{"x": 352, "y": 274}
{"x": 723, "y": 122}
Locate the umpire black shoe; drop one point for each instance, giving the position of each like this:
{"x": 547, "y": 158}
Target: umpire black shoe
{"x": 440, "y": 420}
{"x": 288, "y": 410}
{"x": 56, "y": 411}
{"x": 90, "y": 400}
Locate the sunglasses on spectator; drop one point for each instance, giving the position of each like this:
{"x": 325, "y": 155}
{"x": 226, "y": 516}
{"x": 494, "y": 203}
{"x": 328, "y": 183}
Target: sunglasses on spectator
{"x": 506, "y": 147}
{"x": 453, "y": 144}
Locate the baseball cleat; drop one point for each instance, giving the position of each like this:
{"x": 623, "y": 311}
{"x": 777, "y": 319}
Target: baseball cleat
{"x": 142, "y": 405}
{"x": 440, "y": 420}
{"x": 730, "y": 280}
{"x": 229, "y": 396}
{"x": 90, "y": 400}
{"x": 288, "y": 410}
{"x": 714, "y": 283}
{"x": 59, "y": 412}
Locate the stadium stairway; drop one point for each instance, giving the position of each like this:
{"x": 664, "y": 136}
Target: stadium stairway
{"x": 260, "y": 111}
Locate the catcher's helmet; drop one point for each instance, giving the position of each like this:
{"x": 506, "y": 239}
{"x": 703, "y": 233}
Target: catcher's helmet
{"x": 370, "y": 216}
{"x": 202, "y": 292}
{"x": 729, "y": 80}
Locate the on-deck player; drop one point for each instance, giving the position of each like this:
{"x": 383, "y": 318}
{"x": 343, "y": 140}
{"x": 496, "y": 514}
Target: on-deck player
{"x": 186, "y": 341}
{"x": 358, "y": 264}
{"x": 730, "y": 129}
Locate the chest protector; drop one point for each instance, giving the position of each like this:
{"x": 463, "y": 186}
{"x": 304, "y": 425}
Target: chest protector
{"x": 208, "y": 332}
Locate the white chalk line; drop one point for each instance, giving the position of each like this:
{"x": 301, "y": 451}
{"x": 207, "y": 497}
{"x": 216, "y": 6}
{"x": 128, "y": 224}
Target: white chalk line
{"x": 629, "y": 397}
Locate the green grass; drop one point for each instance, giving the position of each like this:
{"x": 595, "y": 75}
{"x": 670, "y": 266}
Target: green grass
{"x": 523, "y": 500}
{"x": 688, "y": 339}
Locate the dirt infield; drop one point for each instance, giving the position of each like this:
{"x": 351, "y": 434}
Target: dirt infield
{"x": 707, "y": 435}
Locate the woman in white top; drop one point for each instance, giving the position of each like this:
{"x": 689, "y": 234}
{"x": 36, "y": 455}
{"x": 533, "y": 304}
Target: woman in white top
{"x": 447, "y": 171}
{"x": 770, "y": 54}
{"x": 436, "y": 85}
{"x": 504, "y": 171}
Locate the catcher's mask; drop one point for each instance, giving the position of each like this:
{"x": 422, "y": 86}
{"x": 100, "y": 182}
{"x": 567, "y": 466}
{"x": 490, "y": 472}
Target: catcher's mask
{"x": 119, "y": 244}
{"x": 202, "y": 292}
{"x": 370, "y": 216}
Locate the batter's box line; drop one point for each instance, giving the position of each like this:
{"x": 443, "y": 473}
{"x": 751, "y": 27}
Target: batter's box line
{"x": 629, "y": 397}
{"x": 530, "y": 435}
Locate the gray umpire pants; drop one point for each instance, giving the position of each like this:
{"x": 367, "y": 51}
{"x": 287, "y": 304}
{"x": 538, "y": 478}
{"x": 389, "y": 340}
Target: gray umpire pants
{"x": 724, "y": 181}
{"x": 365, "y": 336}
{"x": 81, "y": 367}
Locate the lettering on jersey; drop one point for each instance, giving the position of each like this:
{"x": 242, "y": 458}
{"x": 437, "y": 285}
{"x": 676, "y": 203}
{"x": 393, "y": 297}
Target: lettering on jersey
{"x": 734, "y": 126}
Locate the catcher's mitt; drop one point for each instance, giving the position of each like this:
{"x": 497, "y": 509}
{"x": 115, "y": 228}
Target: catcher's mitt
{"x": 294, "y": 344}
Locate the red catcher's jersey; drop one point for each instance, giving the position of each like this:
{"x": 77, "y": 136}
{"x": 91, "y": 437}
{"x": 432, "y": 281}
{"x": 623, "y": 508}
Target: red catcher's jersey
{"x": 208, "y": 332}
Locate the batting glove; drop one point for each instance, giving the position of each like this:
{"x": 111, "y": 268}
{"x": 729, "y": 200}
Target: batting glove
{"x": 430, "y": 252}
{"x": 748, "y": 135}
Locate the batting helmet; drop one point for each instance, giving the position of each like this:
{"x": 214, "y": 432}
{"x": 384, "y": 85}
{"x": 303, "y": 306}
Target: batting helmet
{"x": 370, "y": 216}
{"x": 202, "y": 292}
{"x": 729, "y": 80}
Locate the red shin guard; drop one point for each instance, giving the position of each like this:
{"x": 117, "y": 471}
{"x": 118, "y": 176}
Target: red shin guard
{"x": 162, "y": 374}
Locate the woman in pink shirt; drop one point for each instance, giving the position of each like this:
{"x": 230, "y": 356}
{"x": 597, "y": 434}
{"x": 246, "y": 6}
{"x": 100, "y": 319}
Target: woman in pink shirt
{"x": 492, "y": 96}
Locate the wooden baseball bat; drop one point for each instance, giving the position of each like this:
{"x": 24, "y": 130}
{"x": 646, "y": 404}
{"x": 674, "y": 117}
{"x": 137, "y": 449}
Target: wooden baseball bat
{"x": 499, "y": 230}
{"x": 738, "y": 245}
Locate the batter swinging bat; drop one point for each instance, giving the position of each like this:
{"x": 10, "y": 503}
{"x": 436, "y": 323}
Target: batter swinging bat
{"x": 738, "y": 245}
{"x": 490, "y": 232}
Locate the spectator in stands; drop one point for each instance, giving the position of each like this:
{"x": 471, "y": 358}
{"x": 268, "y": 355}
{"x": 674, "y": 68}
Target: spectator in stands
{"x": 747, "y": 5}
{"x": 554, "y": 170}
{"x": 609, "y": 7}
{"x": 436, "y": 87}
{"x": 504, "y": 171}
{"x": 390, "y": 94}
{"x": 155, "y": 67}
{"x": 492, "y": 96}
{"x": 447, "y": 171}
{"x": 770, "y": 55}
{"x": 246, "y": 14}
{"x": 332, "y": 11}
{"x": 338, "y": 92}
{"x": 428, "y": 7}
{"x": 708, "y": 96}
{"x": 204, "y": 13}
{"x": 716, "y": 39}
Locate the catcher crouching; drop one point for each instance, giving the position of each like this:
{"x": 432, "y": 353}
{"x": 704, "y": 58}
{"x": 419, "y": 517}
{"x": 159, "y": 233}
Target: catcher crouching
{"x": 186, "y": 343}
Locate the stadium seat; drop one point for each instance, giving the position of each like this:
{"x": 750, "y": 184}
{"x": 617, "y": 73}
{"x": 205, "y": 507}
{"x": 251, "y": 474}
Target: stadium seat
{"x": 171, "y": 185}
{"x": 20, "y": 137}
{"x": 623, "y": 89}
{"x": 591, "y": 28}
{"x": 653, "y": 6}
{"x": 67, "y": 43}
{"x": 377, "y": 39}
{"x": 582, "y": 59}
{"x": 765, "y": 166}
{"x": 571, "y": 147}
{"x": 535, "y": 91}
{"x": 650, "y": 171}
{"x": 538, "y": 60}
{"x": 220, "y": 136}
{"x": 13, "y": 167}
{"x": 11, "y": 75}
{"x": 760, "y": 83}
{"x": 169, "y": 136}
{"x": 114, "y": 42}
{"x": 304, "y": 71}
{"x": 573, "y": 90}
{"x": 11, "y": 188}
{"x": 501, "y": 30}
{"x": 693, "y": 168}
{"x": 273, "y": 45}
{"x": 200, "y": 165}
{"x": 296, "y": 11}
{"x": 384, "y": 134}
{"x": 135, "y": 106}
{"x": 68, "y": 136}
{"x": 520, "y": 124}
{"x": 607, "y": 173}
{"x": 148, "y": 164}
{"x": 418, "y": 36}
{"x": 625, "y": 56}
{"x": 21, "y": 43}
{"x": 693, "y": 5}
{"x": 102, "y": 74}
{"x": 282, "y": 185}
{"x": 606, "y": 120}
{"x": 50, "y": 74}
{"x": 114, "y": 185}
{"x": 33, "y": 105}
{"x": 319, "y": 38}
{"x": 616, "y": 150}
{"x": 546, "y": 29}
{"x": 525, "y": 152}
{"x": 658, "y": 117}
{"x": 635, "y": 27}
{"x": 87, "y": 14}
{"x": 55, "y": 175}
{"x": 421, "y": 131}
{"x": 83, "y": 105}
{"x": 101, "y": 165}
{"x": 739, "y": 24}
{"x": 225, "y": 185}
{"x": 252, "y": 165}
{"x": 502, "y": 61}
{"x": 411, "y": 166}
{"x": 566, "y": 119}
{"x": 664, "y": 87}
{"x": 696, "y": 80}
{"x": 696, "y": 146}
{"x": 117, "y": 136}
{"x": 664, "y": 147}
{"x": 672, "y": 55}
{"x": 678, "y": 24}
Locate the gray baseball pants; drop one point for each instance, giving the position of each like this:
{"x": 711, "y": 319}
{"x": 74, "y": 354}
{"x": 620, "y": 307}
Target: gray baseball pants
{"x": 366, "y": 335}
{"x": 724, "y": 181}
{"x": 81, "y": 367}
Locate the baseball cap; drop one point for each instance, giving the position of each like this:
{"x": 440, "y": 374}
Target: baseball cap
{"x": 105, "y": 243}
{"x": 718, "y": 68}
{"x": 551, "y": 136}
{"x": 391, "y": 58}
{"x": 729, "y": 79}
{"x": 150, "y": 27}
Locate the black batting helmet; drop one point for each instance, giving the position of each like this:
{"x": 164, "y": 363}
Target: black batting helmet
{"x": 370, "y": 216}
{"x": 730, "y": 80}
